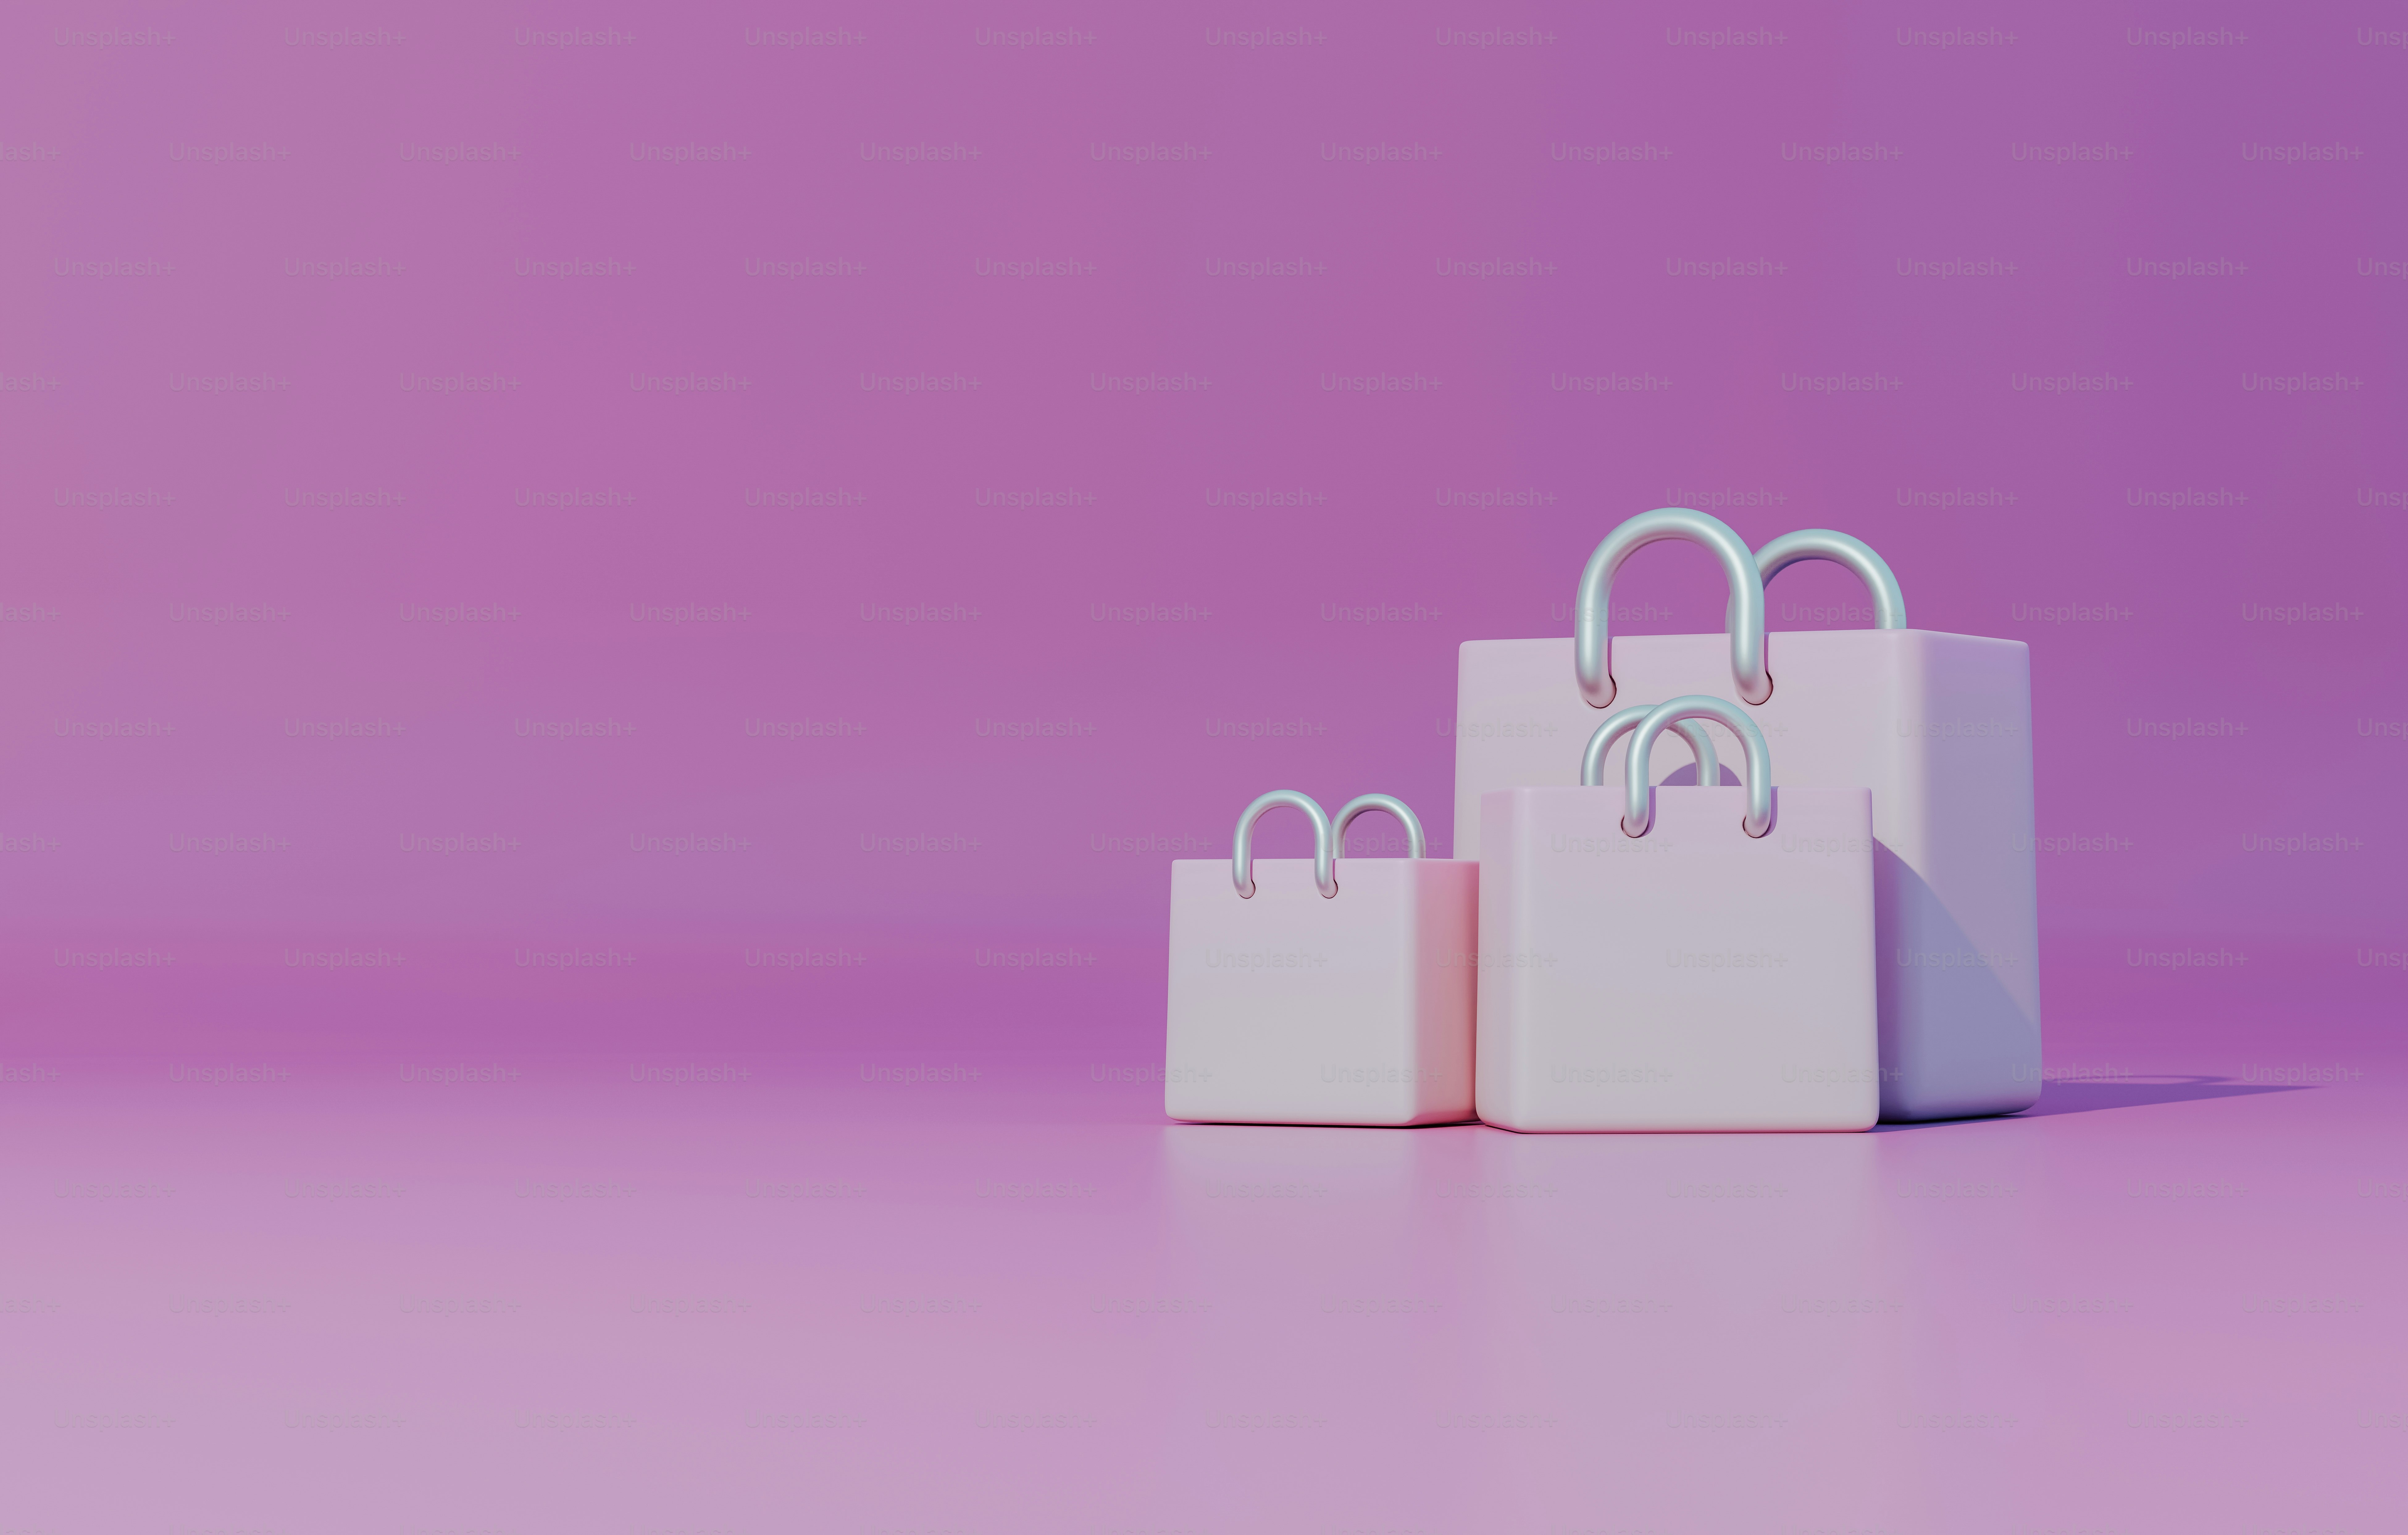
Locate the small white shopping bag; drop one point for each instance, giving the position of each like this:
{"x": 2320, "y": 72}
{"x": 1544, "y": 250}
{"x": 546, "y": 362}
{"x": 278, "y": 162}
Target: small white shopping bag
{"x": 1937, "y": 726}
{"x": 1694, "y": 958}
{"x": 1302, "y": 993}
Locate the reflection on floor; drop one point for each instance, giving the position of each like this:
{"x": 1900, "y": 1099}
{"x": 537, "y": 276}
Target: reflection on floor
{"x": 765, "y": 1294}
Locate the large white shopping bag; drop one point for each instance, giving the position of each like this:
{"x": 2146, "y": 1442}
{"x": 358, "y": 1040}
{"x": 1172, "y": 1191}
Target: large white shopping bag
{"x": 1937, "y": 726}
{"x": 1307, "y": 993}
{"x": 1695, "y": 958}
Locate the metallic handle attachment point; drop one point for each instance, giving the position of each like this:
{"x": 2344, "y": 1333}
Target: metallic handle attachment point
{"x": 1623, "y": 721}
{"x": 1390, "y": 803}
{"x": 1325, "y": 861}
{"x": 1591, "y": 642}
{"x": 1638, "y": 811}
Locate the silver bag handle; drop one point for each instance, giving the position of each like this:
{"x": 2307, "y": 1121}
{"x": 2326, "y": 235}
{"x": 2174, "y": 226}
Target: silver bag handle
{"x": 1328, "y": 837}
{"x": 1621, "y": 723}
{"x": 1591, "y": 641}
{"x": 1324, "y": 862}
{"x": 1418, "y": 843}
{"x": 1823, "y": 544}
{"x": 1637, "y": 812}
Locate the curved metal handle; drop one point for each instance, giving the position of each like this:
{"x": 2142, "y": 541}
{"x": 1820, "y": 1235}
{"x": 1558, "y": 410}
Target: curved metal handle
{"x": 1591, "y": 643}
{"x": 1637, "y": 812}
{"x": 1390, "y": 803}
{"x": 1621, "y": 723}
{"x": 1823, "y": 544}
{"x": 1324, "y": 862}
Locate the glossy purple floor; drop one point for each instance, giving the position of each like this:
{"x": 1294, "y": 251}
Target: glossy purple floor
{"x": 975, "y": 1289}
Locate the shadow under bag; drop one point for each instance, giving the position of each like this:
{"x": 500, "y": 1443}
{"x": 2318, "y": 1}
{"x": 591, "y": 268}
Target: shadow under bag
{"x": 1937, "y": 726}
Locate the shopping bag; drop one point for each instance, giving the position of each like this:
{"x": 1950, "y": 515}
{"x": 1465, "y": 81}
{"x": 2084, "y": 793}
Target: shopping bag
{"x": 1308, "y": 991}
{"x": 1937, "y": 726}
{"x": 1661, "y": 958}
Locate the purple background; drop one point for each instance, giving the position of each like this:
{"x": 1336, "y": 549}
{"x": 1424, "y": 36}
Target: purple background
{"x": 2204, "y": 560}
{"x": 2285, "y": 477}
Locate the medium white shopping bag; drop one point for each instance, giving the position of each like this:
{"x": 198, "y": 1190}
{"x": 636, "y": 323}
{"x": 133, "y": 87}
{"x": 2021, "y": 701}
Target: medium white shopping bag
{"x": 1693, "y": 958}
{"x": 1307, "y": 993}
{"x": 1937, "y": 726}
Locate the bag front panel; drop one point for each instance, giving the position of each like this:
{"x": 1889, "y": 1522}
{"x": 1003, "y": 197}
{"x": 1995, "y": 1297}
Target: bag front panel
{"x": 1693, "y": 979}
{"x": 1289, "y": 1008}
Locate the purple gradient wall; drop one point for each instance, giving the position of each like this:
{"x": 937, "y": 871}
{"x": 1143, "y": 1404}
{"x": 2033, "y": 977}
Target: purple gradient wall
{"x": 2089, "y": 319}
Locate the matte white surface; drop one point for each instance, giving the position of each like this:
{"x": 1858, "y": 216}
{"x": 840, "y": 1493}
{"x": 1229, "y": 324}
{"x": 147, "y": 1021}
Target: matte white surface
{"x": 1693, "y": 979}
{"x": 1293, "y": 1009}
{"x": 1937, "y": 726}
